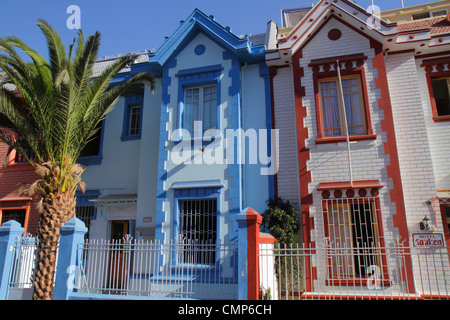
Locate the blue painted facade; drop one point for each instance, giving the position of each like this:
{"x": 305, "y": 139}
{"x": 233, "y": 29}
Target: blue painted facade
{"x": 174, "y": 158}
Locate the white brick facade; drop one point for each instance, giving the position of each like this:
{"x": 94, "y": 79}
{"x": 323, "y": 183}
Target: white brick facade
{"x": 413, "y": 144}
{"x": 403, "y": 155}
{"x": 287, "y": 177}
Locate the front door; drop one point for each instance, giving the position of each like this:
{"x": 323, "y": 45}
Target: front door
{"x": 119, "y": 257}
{"x": 119, "y": 228}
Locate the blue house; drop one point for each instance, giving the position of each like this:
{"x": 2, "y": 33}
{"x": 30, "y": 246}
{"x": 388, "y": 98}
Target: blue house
{"x": 182, "y": 161}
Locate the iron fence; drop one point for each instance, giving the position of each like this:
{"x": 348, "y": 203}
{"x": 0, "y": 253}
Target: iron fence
{"x": 185, "y": 269}
{"x": 329, "y": 271}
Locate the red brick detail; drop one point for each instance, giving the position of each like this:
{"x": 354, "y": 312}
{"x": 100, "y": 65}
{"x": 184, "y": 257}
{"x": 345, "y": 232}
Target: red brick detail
{"x": 390, "y": 148}
{"x": 11, "y": 179}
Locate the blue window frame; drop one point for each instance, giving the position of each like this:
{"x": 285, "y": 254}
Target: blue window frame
{"x": 132, "y": 119}
{"x": 199, "y": 99}
{"x": 92, "y": 152}
{"x": 85, "y": 208}
{"x": 196, "y": 223}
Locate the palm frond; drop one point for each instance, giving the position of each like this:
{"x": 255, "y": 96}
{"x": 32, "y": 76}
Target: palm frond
{"x": 64, "y": 103}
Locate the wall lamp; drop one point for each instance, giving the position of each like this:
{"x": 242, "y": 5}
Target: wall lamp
{"x": 425, "y": 223}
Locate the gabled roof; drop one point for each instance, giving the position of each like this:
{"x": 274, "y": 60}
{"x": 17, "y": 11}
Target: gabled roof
{"x": 200, "y": 22}
{"x": 393, "y": 37}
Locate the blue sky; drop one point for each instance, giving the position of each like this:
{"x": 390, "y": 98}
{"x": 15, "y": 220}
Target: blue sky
{"x": 131, "y": 25}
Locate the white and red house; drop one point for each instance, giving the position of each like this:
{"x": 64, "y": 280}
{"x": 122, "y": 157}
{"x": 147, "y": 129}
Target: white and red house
{"x": 378, "y": 188}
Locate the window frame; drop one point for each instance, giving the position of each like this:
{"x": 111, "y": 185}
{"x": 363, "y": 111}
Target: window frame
{"x": 206, "y": 193}
{"x": 195, "y": 77}
{"x": 358, "y": 73}
{"x": 95, "y": 159}
{"x": 434, "y": 111}
{"x": 201, "y": 104}
{"x": 341, "y": 111}
{"x": 353, "y": 279}
{"x": 83, "y": 200}
{"x": 17, "y": 204}
{"x": 131, "y": 102}
{"x": 432, "y": 12}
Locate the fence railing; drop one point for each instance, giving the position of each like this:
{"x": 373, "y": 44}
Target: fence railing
{"x": 152, "y": 268}
{"x": 23, "y": 263}
{"x": 21, "y": 277}
{"x": 329, "y": 271}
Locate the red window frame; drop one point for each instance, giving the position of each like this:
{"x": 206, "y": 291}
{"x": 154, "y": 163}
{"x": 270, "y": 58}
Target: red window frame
{"x": 358, "y": 71}
{"x": 434, "y": 112}
{"x": 334, "y": 279}
{"x": 17, "y": 204}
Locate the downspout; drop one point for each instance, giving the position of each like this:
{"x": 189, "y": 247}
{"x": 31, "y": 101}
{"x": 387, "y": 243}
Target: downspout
{"x": 244, "y": 172}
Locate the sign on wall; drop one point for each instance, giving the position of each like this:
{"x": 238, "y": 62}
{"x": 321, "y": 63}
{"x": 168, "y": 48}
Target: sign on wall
{"x": 428, "y": 240}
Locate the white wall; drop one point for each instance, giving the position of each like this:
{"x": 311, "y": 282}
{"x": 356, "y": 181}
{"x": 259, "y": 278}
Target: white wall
{"x": 413, "y": 145}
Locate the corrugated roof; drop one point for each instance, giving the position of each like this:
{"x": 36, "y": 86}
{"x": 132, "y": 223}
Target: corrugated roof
{"x": 257, "y": 39}
{"x": 105, "y": 62}
{"x": 435, "y": 25}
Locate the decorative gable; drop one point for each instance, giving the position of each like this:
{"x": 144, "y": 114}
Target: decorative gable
{"x": 196, "y": 23}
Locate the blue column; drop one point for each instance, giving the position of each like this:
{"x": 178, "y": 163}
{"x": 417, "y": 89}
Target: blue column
{"x": 9, "y": 232}
{"x": 72, "y": 237}
{"x": 242, "y": 256}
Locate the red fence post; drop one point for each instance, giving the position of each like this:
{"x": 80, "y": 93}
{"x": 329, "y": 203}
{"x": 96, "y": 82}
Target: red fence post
{"x": 254, "y": 221}
{"x": 248, "y": 258}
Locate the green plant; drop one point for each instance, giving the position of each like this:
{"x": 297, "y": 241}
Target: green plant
{"x": 281, "y": 219}
{"x": 264, "y": 294}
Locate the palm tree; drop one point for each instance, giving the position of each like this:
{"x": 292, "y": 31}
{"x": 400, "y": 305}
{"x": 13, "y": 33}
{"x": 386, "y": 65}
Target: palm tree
{"x": 56, "y": 114}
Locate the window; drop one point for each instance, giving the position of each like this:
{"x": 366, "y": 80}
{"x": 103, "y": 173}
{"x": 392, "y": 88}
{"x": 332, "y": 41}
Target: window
{"x": 135, "y": 120}
{"x": 439, "y": 13}
{"x": 13, "y": 214}
{"x": 91, "y": 154}
{"x": 422, "y": 15}
{"x": 352, "y": 229}
{"x": 199, "y": 97}
{"x": 132, "y": 123}
{"x": 200, "y": 105}
{"x": 429, "y": 14}
{"x": 332, "y": 110}
{"x": 85, "y": 209}
{"x": 21, "y": 158}
{"x": 197, "y": 220}
{"x": 198, "y": 229}
{"x": 441, "y": 95}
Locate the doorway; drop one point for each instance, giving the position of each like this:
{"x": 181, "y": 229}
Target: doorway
{"x": 119, "y": 228}
{"x": 119, "y": 263}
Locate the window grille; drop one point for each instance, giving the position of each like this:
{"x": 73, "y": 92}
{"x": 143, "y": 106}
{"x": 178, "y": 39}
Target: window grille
{"x": 352, "y": 228}
{"x": 85, "y": 214}
{"x": 135, "y": 120}
{"x": 18, "y": 215}
{"x": 198, "y": 228}
{"x": 85, "y": 209}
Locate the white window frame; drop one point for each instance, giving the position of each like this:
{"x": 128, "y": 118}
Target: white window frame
{"x": 201, "y": 103}
{"x": 436, "y": 11}
{"x": 130, "y": 123}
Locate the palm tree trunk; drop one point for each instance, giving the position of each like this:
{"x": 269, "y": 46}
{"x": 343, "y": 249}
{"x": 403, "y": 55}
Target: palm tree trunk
{"x": 56, "y": 210}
